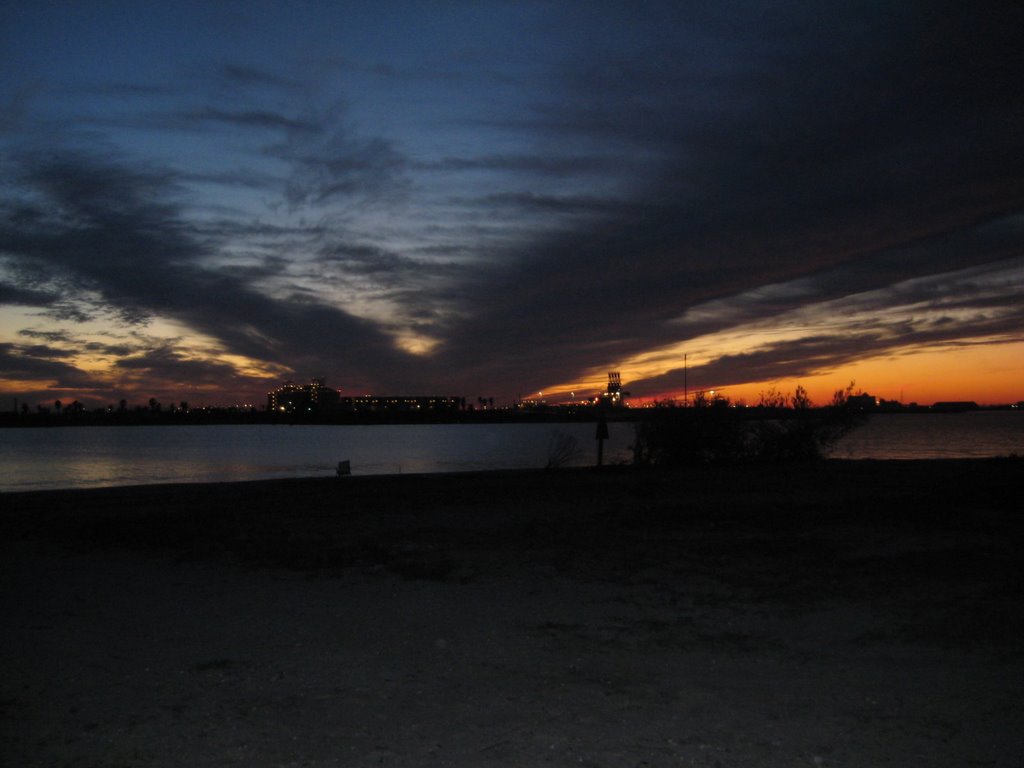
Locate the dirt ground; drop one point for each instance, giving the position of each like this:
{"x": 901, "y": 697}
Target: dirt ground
{"x": 834, "y": 614}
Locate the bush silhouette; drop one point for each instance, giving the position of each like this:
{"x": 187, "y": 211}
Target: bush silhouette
{"x": 781, "y": 429}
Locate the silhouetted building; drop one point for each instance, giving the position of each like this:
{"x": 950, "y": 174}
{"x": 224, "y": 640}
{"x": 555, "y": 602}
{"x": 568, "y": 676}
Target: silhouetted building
{"x": 613, "y": 396}
{"x": 951, "y": 406}
{"x": 862, "y": 402}
{"x": 315, "y": 397}
{"x": 303, "y": 398}
{"x": 400, "y": 403}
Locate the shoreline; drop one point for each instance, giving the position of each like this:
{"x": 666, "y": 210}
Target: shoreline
{"x": 842, "y": 613}
{"x": 884, "y": 465}
{"x": 39, "y": 461}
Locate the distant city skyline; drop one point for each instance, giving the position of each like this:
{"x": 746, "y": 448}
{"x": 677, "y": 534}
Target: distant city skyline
{"x": 496, "y": 199}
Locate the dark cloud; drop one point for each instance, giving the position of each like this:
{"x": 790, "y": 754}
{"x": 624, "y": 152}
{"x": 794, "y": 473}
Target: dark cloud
{"x": 236, "y": 178}
{"x": 236, "y": 75}
{"x": 122, "y": 89}
{"x": 543, "y": 165}
{"x": 364, "y": 260}
{"x": 745, "y": 162}
{"x": 171, "y": 369}
{"x": 341, "y": 168}
{"x": 31, "y": 363}
{"x": 14, "y": 110}
{"x": 861, "y": 279}
{"x": 826, "y": 352}
{"x": 981, "y": 306}
{"x": 328, "y": 160}
{"x": 258, "y": 119}
{"x": 12, "y": 294}
{"x": 865, "y": 153}
{"x": 516, "y": 203}
{"x": 209, "y": 119}
{"x": 44, "y": 352}
{"x": 783, "y": 360}
{"x": 113, "y": 230}
{"x": 53, "y": 337}
{"x": 385, "y": 268}
{"x": 112, "y": 350}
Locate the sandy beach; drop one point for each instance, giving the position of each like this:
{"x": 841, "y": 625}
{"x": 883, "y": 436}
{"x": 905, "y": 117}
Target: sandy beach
{"x": 832, "y": 614}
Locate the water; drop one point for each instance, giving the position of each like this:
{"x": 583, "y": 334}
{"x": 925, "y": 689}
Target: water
{"x": 969, "y": 435}
{"x": 81, "y": 457}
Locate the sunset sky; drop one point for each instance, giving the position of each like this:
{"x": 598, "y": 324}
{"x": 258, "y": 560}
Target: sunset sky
{"x": 200, "y": 200}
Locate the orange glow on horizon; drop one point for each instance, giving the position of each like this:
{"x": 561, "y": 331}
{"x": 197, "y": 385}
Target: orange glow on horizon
{"x": 987, "y": 373}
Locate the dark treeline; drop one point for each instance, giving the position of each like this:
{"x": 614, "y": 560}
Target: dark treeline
{"x": 655, "y": 415}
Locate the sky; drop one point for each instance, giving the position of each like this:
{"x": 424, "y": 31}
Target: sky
{"x": 199, "y": 201}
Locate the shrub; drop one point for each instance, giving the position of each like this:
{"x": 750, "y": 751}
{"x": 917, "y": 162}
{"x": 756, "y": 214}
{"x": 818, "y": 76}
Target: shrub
{"x": 563, "y": 450}
{"x": 781, "y": 429}
{"x": 676, "y": 436}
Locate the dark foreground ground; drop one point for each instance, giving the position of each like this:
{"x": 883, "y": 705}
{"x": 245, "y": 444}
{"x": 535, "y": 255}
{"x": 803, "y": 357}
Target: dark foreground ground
{"x": 838, "y": 614}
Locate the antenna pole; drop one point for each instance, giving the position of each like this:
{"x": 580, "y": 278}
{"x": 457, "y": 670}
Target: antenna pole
{"x": 686, "y": 383}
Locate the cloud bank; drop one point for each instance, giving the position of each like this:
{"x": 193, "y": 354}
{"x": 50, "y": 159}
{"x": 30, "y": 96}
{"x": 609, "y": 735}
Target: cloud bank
{"x": 440, "y": 215}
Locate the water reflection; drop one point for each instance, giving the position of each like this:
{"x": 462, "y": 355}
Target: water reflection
{"x": 76, "y": 457}
{"x": 73, "y": 457}
{"x": 976, "y": 434}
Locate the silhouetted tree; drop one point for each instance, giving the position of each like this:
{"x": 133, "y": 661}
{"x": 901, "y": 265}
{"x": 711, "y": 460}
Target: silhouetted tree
{"x": 771, "y": 399}
{"x": 699, "y": 434}
{"x": 800, "y": 400}
{"x": 793, "y": 430}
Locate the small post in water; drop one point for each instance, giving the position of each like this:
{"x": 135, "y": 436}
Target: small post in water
{"x": 602, "y": 435}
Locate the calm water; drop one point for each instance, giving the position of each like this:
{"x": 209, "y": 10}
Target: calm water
{"x": 971, "y": 435}
{"x": 78, "y": 457}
